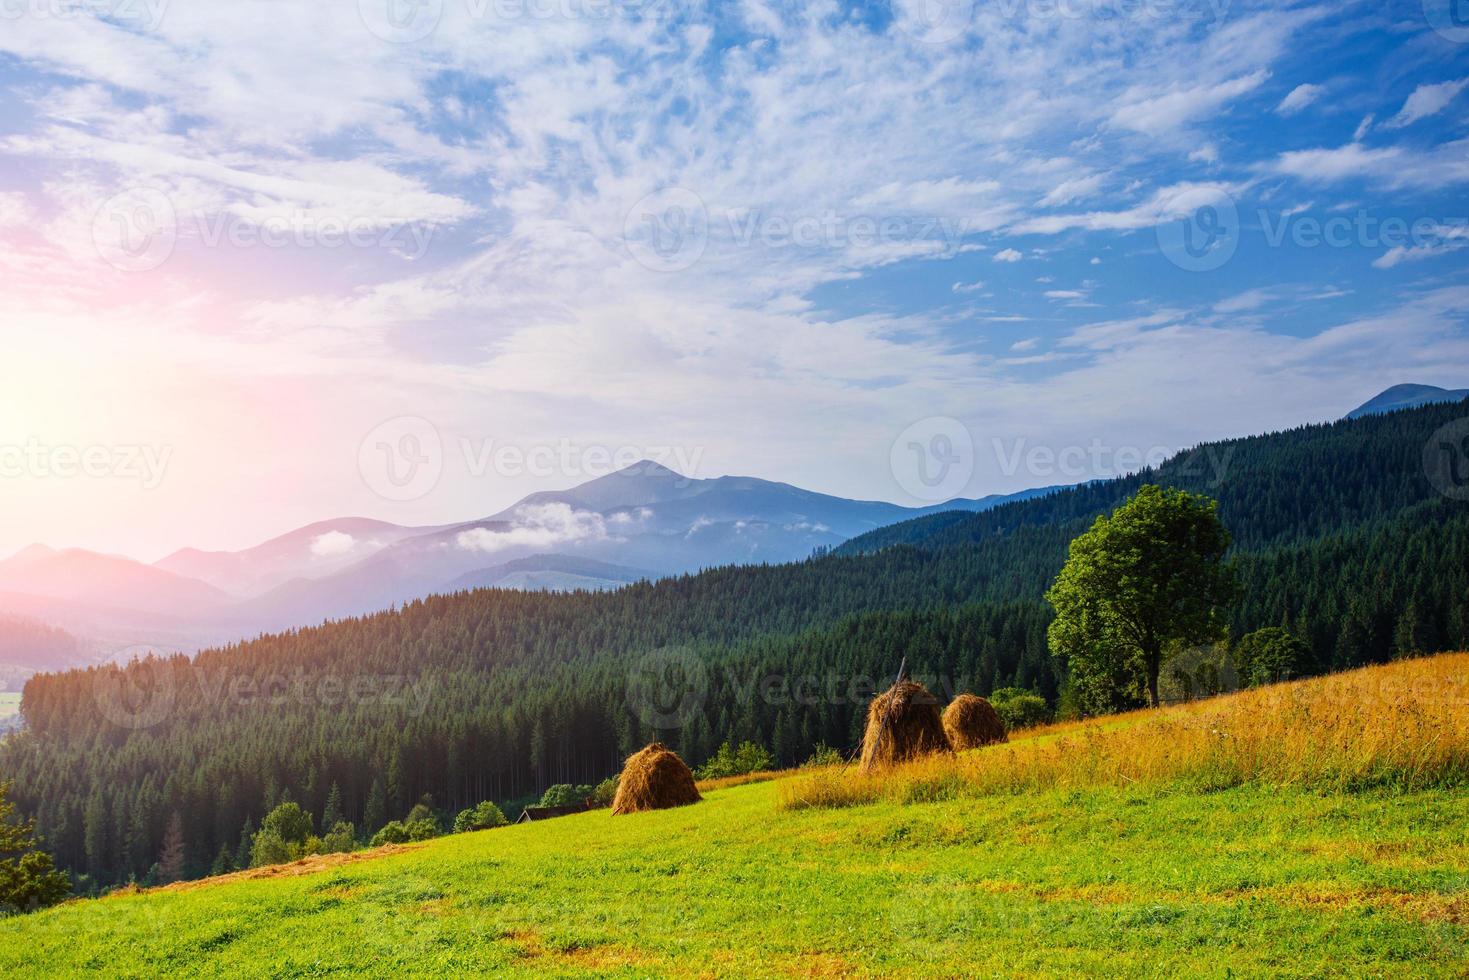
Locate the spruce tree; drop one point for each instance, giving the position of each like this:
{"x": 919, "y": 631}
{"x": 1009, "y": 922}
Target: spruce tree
{"x": 332, "y": 815}
{"x": 28, "y": 877}
{"x": 375, "y": 816}
{"x": 171, "y": 858}
{"x": 247, "y": 841}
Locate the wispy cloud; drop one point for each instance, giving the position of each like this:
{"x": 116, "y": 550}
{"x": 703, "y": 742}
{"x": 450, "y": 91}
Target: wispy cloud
{"x": 1167, "y": 111}
{"x": 1299, "y": 98}
{"x": 537, "y": 526}
{"x": 333, "y": 544}
{"x": 1427, "y": 100}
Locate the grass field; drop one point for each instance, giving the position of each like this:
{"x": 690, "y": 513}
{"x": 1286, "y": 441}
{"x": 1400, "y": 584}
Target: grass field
{"x": 1153, "y": 876}
{"x": 9, "y": 704}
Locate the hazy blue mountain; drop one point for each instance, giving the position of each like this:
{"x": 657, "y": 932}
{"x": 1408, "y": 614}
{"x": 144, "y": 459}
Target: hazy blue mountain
{"x": 642, "y": 522}
{"x": 312, "y": 551}
{"x": 79, "y": 576}
{"x": 1407, "y": 396}
{"x": 645, "y": 518}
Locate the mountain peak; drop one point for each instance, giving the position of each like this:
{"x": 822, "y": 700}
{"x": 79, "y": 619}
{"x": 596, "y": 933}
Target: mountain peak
{"x": 646, "y": 468}
{"x": 1407, "y": 396}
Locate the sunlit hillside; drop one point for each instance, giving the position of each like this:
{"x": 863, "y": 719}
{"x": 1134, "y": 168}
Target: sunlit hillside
{"x": 1311, "y": 829}
{"x": 1401, "y": 726}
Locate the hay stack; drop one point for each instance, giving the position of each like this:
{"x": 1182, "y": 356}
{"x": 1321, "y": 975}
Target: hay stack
{"x": 654, "y": 779}
{"x": 902, "y": 723}
{"x": 972, "y": 722}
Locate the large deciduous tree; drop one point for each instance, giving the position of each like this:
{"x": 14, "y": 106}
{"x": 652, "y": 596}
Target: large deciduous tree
{"x": 1142, "y": 581}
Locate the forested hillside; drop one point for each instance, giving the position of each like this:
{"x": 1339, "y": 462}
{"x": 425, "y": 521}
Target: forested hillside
{"x": 29, "y": 644}
{"x": 1272, "y": 489}
{"x": 492, "y": 694}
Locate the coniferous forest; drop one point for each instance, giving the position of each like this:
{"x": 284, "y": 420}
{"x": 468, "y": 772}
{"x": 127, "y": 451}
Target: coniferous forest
{"x": 1339, "y": 536}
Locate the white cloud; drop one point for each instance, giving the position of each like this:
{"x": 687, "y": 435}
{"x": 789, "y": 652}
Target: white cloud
{"x": 1413, "y": 253}
{"x": 1064, "y": 294}
{"x": 333, "y": 544}
{"x": 1250, "y": 299}
{"x": 1299, "y": 98}
{"x": 1390, "y": 166}
{"x": 1008, "y": 255}
{"x": 1335, "y": 164}
{"x": 1075, "y": 189}
{"x": 1166, "y": 202}
{"x": 537, "y": 526}
{"x": 968, "y": 287}
{"x": 1427, "y": 100}
{"x": 1162, "y": 113}
{"x": 1208, "y": 153}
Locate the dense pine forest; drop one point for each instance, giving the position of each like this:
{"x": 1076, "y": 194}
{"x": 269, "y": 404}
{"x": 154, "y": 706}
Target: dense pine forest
{"x": 1339, "y": 537}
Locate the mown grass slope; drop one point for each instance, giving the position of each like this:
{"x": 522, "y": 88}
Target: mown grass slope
{"x": 1149, "y": 876}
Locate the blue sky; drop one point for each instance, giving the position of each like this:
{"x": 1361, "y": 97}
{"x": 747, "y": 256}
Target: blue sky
{"x": 780, "y": 238}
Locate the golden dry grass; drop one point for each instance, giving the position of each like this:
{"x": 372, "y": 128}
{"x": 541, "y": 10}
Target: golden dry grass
{"x": 303, "y": 866}
{"x": 744, "y": 779}
{"x": 1403, "y": 725}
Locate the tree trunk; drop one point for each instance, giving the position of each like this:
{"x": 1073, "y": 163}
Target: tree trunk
{"x": 1154, "y": 661}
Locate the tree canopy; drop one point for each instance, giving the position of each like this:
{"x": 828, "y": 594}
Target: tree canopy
{"x": 1147, "y": 578}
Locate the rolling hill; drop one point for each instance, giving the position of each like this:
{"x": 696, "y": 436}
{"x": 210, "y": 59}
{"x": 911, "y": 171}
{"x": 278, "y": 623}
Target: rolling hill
{"x": 1102, "y": 874}
{"x": 79, "y": 576}
{"x": 1407, "y": 396}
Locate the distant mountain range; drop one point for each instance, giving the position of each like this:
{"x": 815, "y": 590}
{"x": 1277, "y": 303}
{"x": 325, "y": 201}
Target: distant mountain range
{"x": 1407, "y": 396}
{"x": 644, "y": 522}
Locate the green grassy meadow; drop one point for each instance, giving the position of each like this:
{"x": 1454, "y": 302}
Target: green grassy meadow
{"x": 9, "y": 704}
{"x": 1240, "y": 882}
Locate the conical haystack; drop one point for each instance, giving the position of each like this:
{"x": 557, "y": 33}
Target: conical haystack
{"x": 902, "y": 723}
{"x": 972, "y": 722}
{"x": 654, "y": 779}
